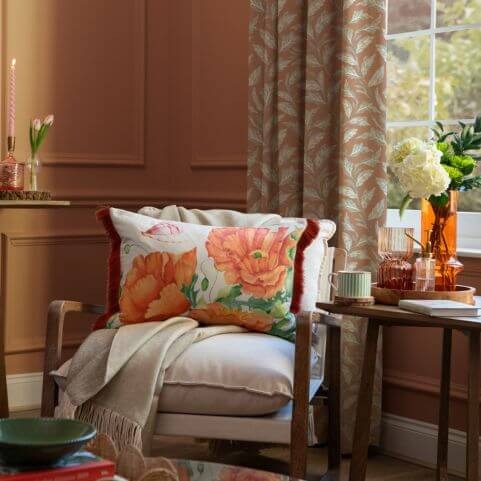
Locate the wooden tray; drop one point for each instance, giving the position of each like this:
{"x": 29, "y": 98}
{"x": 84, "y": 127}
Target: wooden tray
{"x": 393, "y": 296}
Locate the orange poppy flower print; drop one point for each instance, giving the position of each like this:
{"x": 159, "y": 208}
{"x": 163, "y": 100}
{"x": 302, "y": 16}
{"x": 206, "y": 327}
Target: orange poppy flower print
{"x": 256, "y": 258}
{"x": 243, "y": 474}
{"x": 217, "y": 313}
{"x": 152, "y": 289}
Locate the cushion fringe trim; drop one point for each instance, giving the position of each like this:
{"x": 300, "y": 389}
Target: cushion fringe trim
{"x": 308, "y": 236}
{"x": 113, "y": 279}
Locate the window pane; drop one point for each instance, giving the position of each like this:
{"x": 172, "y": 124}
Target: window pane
{"x": 394, "y": 135}
{"x": 458, "y": 74}
{"x": 470, "y": 201}
{"x": 458, "y": 12}
{"x": 408, "y": 78}
{"x": 408, "y": 15}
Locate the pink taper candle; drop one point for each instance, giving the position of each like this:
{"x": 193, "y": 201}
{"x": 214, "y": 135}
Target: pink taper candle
{"x": 11, "y": 99}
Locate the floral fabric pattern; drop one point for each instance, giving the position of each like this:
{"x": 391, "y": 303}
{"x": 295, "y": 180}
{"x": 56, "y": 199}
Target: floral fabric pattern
{"x": 216, "y": 275}
{"x": 317, "y": 137}
{"x": 202, "y": 471}
{"x": 258, "y": 259}
{"x": 152, "y": 289}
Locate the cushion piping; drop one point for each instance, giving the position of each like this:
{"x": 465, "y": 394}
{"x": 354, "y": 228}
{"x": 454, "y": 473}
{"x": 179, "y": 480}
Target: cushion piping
{"x": 230, "y": 388}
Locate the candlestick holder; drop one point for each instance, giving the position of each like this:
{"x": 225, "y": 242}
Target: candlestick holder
{"x": 11, "y": 171}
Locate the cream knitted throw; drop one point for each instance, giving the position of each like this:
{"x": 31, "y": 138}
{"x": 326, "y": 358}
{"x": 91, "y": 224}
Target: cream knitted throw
{"x": 115, "y": 377}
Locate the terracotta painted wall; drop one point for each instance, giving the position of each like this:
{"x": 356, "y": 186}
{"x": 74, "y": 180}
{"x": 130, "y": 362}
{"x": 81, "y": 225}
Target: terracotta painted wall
{"x": 150, "y": 99}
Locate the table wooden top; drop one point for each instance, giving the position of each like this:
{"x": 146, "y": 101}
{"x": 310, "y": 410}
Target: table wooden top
{"x": 33, "y": 203}
{"x": 393, "y": 315}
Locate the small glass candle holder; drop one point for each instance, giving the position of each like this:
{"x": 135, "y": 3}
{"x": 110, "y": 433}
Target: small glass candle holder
{"x": 12, "y": 175}
{"x": 395, "y": 248}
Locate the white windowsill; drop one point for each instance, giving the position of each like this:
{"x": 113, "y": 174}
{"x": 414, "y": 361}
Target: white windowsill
{"x": 469, "y": 229}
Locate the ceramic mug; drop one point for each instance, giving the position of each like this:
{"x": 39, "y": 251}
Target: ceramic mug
{"x": 351, "y": 283}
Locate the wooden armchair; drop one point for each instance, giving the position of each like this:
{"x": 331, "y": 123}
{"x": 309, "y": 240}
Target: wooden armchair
{"x": 287, "y": 426}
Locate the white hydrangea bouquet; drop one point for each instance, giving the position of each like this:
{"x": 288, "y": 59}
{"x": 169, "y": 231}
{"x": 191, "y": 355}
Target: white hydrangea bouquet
{"x": 430, "y": 169}
{"x": 417, "y": 166}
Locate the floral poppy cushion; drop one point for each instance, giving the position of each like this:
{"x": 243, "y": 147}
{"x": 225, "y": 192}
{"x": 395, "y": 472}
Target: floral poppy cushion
{"x": 244, "y": 276}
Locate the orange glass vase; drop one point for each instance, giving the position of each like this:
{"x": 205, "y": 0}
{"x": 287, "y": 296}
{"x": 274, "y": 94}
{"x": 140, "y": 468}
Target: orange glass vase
{"x": 439, "y": 223}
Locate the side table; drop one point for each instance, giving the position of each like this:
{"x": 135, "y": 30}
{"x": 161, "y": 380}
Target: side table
{"x": 17, "y": 204}
{"x": 382, "y": 315}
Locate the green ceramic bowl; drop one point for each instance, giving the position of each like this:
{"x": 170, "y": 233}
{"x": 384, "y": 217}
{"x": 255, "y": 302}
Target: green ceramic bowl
{"x": 41, "y": 441}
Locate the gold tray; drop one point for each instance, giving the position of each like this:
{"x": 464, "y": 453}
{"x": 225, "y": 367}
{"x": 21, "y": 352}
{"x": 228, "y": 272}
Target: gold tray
{"x": 393, "y": 296}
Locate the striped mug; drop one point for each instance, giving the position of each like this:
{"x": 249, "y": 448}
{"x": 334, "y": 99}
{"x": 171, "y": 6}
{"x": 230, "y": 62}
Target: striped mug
{"x": 351, "y": 283}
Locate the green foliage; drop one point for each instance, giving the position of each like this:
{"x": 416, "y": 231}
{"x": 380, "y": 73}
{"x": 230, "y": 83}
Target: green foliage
{"x": 455, "y": 174}
{"x": 464, "y": 163}
{"x": 467, "y": 140}
{"x": 407, "y": 199}
{"x": 459, "y": 151}
{"x": 439, "y": 200}
{"x": 471, "y": 183}
{"x": 440, "y": 134}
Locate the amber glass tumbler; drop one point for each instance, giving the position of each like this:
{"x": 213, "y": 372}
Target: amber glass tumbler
{"x": 395, "y": 248}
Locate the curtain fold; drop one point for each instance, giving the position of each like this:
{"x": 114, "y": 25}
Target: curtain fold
{"x": 317, "y": 137}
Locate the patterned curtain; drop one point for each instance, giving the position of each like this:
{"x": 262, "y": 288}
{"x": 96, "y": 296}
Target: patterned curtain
{"x": 317, "y": 136}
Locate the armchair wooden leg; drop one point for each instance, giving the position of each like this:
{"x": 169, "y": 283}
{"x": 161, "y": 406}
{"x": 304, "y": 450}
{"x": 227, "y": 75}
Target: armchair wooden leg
{"x": 334, "y": 398}
{"x": 300, "y": 407}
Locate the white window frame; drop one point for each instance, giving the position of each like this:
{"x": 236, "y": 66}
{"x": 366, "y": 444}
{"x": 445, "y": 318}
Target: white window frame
{"x": 469, "y": 223}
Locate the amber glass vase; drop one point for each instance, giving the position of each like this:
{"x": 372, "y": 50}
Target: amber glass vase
{"x": 439, "y": 223}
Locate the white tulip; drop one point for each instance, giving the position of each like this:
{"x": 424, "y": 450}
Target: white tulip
{"x": 36, "y": 124}
{"x": 48, "y": 120}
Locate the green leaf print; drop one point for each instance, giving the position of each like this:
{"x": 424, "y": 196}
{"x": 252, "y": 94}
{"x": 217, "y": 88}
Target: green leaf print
{"x": 204, "y": 285}
{"x": 230, "y": 300}
{"x": 190, "y": 292}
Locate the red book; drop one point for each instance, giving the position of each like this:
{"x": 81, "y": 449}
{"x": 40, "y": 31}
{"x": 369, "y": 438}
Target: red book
{"x": 85, "y": 470}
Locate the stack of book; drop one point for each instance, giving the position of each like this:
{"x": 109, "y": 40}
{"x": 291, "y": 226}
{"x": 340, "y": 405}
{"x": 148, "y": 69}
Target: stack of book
{"x": 441, "y": 308}
{"x": 82, "y": 466}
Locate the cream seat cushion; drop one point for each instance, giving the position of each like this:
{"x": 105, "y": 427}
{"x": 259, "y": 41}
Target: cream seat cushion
{"x": 230, "y": 374}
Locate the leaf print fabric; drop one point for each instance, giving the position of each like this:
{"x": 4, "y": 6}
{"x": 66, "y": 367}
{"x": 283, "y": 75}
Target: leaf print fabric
{"x": 317, "y": 137}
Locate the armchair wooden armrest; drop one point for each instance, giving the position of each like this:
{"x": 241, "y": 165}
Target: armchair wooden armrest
{"x": 53, "y": 346}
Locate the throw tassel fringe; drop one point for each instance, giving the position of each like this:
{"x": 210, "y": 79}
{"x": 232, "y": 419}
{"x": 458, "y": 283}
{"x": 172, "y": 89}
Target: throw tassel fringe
{"x": 312, "y": 439}
{"x": 122, "y": 430}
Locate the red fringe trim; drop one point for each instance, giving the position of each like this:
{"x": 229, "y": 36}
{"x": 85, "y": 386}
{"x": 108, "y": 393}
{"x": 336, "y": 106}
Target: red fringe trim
{"x": 113, "y": 277}
{"x": 308, "y": 236}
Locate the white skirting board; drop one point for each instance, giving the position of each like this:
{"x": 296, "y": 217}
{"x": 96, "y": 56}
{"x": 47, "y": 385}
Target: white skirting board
{"x": 24, "y": 391}
{"x": 416, "y": 441}
{"x": 402, "y": 438}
